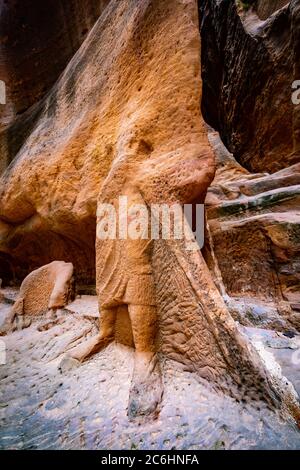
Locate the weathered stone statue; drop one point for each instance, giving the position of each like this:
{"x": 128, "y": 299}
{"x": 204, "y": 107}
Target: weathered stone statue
{"x": 125, "y": 279}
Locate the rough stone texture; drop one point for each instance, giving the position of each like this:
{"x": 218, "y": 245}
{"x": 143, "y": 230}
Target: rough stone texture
{"x": 249, "y": 66}
{"x": 265, "y": 8}
{"x": 46, "y": 288}
{"x": 104, "y": 104}
{"x": 37, "y": 40}
{"x": 126, "y": 120}
{"x": 284, "y": 350}
{"x": 255, "y": 238}
{"x": 86, "y": 408}
{"x": 166, "y": 157}
{"x": 129, "y": 117}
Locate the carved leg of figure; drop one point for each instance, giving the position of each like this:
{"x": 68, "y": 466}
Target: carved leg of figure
{"x": 146, "y": 388}
{"x": 95, "y": 344}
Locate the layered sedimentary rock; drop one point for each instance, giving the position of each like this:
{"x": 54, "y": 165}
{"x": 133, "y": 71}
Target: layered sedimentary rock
{"x": 250, "y": 61}
{"x": 105, "y": 101}
{"x": 249, "y": 66}
{"x": 255, "y": 229}
{"x": 254, "y": 218}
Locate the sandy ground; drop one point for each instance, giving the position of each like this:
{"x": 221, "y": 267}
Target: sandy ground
{"x": 86, "y": 407}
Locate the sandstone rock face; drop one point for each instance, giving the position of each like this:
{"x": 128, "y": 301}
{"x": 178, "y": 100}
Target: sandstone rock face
{"x": 255, "y": 228}
{"x": 249, "y": 66}
{"x": 265, "y": 8}
{"x": 104, "y": 105}
{"x": 34, "y": 51}
{"x": 126, "y": 121}
{"x": 165, "y": 157}
{"x": 37, "y": 41}
{"x": 254, "y": 217}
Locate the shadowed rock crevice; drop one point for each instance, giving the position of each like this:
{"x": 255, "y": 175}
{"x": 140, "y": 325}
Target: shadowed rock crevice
{"x": 37, "y": 39}
{"x": 248, "y": 68}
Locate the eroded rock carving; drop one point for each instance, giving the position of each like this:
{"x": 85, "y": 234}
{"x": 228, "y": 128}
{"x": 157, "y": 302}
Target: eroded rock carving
{"x": 134, "y": 127}
{"x": 44, "y": 290}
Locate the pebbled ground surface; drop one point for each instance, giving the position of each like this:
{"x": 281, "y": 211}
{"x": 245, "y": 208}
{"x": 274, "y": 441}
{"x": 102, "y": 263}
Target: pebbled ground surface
{"x": 86, "y": 407}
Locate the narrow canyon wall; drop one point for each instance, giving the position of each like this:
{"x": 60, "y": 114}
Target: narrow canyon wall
{"x": 37, "y": 40}
{"x": 130, "y": 115}
{"x": 265, "y": 8}
{"x": 255, "y": 235}
{"x": 107, "y": 102}
{"x": 249, "y": 66}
